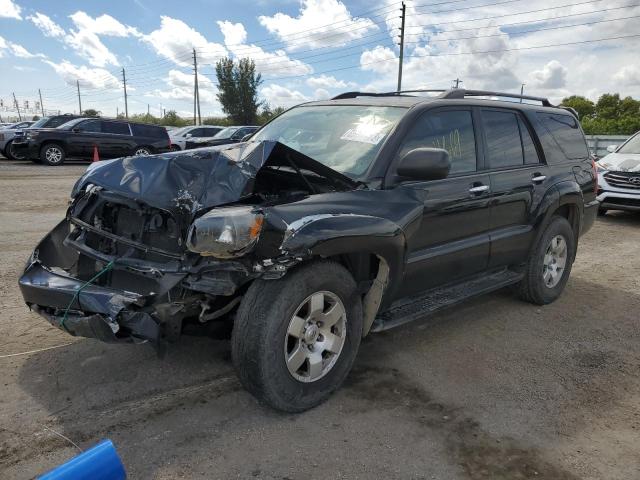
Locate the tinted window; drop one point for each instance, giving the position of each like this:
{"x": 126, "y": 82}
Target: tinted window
{"x": 56, "y": 121}
{"x": 210, "y": 132}
{"x": 116, "y": 128}
{"x": 91, "y": 126}
{"x": 196, "y": 132}
{"x": 529, "y": 148}
{"x": 141, "y": 130}
{"x": 566, "y": 131}
{"x": 502, "y": 133}
{"x": 450, "y": 130}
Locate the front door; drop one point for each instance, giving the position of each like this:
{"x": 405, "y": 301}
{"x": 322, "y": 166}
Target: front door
{"x": 452, "y": 241}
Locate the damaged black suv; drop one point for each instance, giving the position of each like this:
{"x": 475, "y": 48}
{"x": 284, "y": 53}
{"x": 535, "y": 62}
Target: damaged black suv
{"x": 337, "y": 219}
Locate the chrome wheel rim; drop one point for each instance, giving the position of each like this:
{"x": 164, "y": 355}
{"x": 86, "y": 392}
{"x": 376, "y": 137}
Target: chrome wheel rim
{"x": 315, "y": 336}
{"x": 555, "y": 261}
{"x": 142, "y": 151}
{"x": 53, "y": 155}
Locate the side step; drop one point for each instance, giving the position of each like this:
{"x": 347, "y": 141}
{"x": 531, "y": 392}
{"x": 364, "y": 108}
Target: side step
{"x": 413, "y": 308}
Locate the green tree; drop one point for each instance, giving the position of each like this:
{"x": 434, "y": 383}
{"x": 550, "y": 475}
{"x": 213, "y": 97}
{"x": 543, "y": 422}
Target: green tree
{"x": 90, "y": 112}
{"x": 238, "y": 89}
{"x": 172, "y": 119}
{"x": 268, "y": 113}
{"x": 608, "y": 106}
{"x": 582, "y": 105}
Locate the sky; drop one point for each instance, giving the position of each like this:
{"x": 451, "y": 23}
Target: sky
{"x": 309, "y": 49}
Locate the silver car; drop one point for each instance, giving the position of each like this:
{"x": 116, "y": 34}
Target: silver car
{"x": 7, "y": 133}
{"x": 619, "y": 177}
{"x": 180, "y": 136}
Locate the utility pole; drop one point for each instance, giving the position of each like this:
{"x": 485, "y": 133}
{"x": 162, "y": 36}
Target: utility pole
{"x": 41, "y": 104}
{"x": 126, "y": 102}
{"x": 17, "y": 107}
{"x": 79, "y": 100}
{"x": 147, "y": 109}
{"x": 522, "y": 91}
{"x": 197, "y": 91}
{"x": 404, "y": 10}
{"x": 458, "y": 82}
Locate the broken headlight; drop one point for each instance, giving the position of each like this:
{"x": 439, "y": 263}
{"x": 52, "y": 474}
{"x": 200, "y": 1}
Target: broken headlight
{"x": 225, "y": 232}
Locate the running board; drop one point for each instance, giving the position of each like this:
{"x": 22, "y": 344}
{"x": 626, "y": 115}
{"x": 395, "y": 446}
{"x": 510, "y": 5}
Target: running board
{"x": 419, "y": 306}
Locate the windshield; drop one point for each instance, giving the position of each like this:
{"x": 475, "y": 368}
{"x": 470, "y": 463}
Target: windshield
{"x": 177, "y": 132}
{"x": 345, "y": 138}
{"x": 39, "y": 123}
{"x": 226, "y": 132}
{"x": 632, "y": 146}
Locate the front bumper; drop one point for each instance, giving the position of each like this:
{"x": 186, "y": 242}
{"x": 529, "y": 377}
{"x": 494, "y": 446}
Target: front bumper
{"x": 25, "y": 148}
{"x": 617, "y": 198}
{"x": 82, "y": 309}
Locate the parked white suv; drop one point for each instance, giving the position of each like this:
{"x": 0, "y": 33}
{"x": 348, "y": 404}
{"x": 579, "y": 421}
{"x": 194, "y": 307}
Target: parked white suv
{"x": 180, "y": 136}
{"x": 619, "y": 177}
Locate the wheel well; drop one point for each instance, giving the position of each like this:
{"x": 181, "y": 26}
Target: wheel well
{"x": 570, "y": 212}
{"x": 363, "y": 266}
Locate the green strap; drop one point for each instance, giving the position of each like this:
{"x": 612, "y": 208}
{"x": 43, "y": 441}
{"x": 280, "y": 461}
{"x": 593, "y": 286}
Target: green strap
{"x": 107, "y": 267}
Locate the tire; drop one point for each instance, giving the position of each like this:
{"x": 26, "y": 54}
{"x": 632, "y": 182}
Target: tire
{"x": 540, "y": 285}
{"x": 8, "y": 152}
{"x": 261, "y": 339}
{"x": 142, "y": 150}
{"x": 52, "y": 154}
{"x": 174, "y": 148}
{"x": 602, "y": 212}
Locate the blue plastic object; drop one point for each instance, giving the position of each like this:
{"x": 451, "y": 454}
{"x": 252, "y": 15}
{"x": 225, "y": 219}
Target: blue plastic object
{"x": 100, "y": 462}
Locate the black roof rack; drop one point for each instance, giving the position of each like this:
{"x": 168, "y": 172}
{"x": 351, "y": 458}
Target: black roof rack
{"x": 449, "y": 94}
{"x": 462, "y": 93}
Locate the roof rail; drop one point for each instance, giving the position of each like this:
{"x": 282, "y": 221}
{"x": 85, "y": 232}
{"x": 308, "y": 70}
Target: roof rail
{"x": 383, "y": 94}
{"x": 462, "y": 93}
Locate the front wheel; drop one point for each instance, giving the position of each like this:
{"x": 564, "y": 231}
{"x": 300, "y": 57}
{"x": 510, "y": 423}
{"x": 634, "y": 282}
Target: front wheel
{"x": 295, "y": 339}
{"x": 143, "y": 151}
{"x": 52, "y": 154}
{"x": 549, "y": 265}
{"x": 12, "y": 153}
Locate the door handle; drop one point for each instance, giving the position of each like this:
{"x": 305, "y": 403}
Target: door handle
{"x": 537, "y": 178}
{"x": 479, "y": 189}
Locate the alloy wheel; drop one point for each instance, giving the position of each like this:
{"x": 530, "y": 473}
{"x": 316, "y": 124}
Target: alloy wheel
{"x": 555, "y": 261}
{"x": 53, "y": 155}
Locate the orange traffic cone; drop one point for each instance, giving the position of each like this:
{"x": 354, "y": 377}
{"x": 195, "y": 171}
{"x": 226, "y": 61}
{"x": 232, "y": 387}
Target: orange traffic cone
{"x": 96, "y": 157}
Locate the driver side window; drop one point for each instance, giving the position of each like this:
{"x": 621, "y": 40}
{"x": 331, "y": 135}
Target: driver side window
{"x": 451, "y": 130}
{"x": 91, "y": 126}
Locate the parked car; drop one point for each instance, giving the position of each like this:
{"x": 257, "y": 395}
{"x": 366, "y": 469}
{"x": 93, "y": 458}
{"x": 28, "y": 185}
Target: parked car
{"x": 223, "y": 137}
{"x": 7, "y": 133}
{"x": 619, "y": 177}
{"x": 180, "y": 136}
{"x": 337, "y": 219}
{"x": 45, "y": 122}
{"x": 77, "y": 138}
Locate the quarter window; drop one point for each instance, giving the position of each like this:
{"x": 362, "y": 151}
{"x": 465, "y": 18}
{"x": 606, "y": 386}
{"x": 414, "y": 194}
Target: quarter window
{"x": 451, "y": 130}
{"x": 566, "y": 131}
{"x": 502, "y": 133}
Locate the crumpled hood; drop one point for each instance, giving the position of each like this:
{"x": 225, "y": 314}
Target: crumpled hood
{"x": 621, "y": 162}
{"x": 194, "y": 180}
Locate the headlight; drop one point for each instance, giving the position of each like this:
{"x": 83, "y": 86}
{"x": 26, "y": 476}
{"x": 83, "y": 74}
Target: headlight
{"x": 225, "y": 232}
{"x": 31, "y": 135}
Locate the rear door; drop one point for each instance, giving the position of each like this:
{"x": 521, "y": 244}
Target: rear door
{"x": 116, "y": 139}
{"x": 519, "y": 181}
{"x": 453, "y": 239}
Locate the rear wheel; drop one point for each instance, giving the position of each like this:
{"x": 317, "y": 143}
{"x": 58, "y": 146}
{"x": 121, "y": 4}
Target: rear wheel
{"x": 52, "y": 154}
{"x": 295, "y": 339}
{"x": 549, "y": 265}
{"x": 142, "y": 151}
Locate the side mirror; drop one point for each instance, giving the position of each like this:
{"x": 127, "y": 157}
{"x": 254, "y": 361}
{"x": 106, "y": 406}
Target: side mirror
{"x": 425, "y": 164}
{"x": 188, "y": 135}
{"x": 75, "y": 130}
{"x": 612, "y": 148}
{"x": 246, "y": 137}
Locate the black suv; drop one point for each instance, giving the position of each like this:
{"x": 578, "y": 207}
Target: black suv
{"x": 53, "y": 121}
{"x": 339, "y": 218}
{"x": 83, "y": 137}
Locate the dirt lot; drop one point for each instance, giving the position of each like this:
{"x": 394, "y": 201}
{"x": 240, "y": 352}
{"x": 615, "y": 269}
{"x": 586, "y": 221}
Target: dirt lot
{"x": 494, "y": 389}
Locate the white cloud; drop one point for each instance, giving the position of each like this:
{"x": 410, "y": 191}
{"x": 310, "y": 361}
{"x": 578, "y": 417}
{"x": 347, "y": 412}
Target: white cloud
{"x": 279, "y": 96}
{"x": 16, "y": 50}
{"x": 88, "y": 77}
{"x": 9, "y": 9}
{"x": 321, "y": 94}
{"x": 175, "y": 40}
{"x": 47, "y": 26}
{"x": 103, "y": 25}
{"x": 180, "y": 87}
{"x": 628, "y": 75}
{"x": 552, "y": 75}
{"x": 320, "y": 23}
{"x": 327, "y": 81}
{"x": 269, "y": 64}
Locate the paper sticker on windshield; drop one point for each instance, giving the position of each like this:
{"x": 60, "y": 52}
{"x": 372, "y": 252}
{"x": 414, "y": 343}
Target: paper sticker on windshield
{"x": 358, "y": 135}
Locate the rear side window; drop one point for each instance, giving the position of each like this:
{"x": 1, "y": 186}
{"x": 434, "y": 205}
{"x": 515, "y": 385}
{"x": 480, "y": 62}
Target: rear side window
{"x": 117, "y": 128}
{"x": 151, "y": 131}
{"x": 502, "y": 133}
{"x": 528, "y": 147}
{"x": 451, "y": 130}
{"x": 90, "y": 126}
{"x": 566, "y": 132}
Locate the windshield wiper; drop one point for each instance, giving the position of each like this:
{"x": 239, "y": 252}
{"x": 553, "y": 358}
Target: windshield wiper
{"x": 302, "y": 176}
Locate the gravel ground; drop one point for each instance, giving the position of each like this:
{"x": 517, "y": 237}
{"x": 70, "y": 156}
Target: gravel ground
{"x": 495, "y": 388}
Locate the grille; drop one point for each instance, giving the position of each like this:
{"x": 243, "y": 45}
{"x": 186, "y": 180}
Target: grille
{"x": 623, "y": 179}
